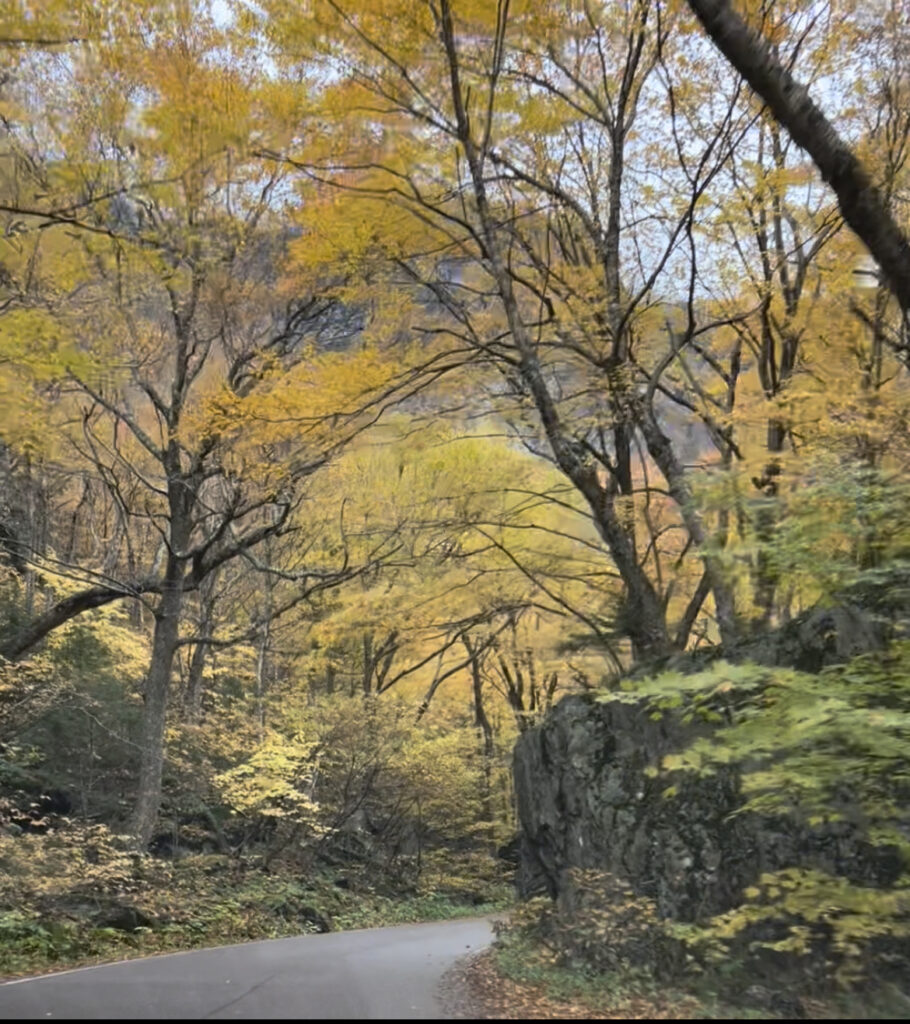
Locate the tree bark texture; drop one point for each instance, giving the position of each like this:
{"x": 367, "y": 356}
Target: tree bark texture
{"x": 157, "y": 691}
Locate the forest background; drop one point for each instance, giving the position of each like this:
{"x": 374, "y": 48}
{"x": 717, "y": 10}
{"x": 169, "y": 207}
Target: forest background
{"x": 373, "y": 375}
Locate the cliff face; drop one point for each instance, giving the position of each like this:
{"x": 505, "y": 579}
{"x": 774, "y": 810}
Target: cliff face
{"x": 586, "y": 801}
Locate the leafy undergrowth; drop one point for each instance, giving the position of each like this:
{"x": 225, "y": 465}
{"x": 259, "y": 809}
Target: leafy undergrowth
{"x": 141, "y": 906}
{"x": 521, "y": 978}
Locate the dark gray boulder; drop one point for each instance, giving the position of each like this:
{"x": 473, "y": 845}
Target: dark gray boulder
{"x": 587, "y": 801}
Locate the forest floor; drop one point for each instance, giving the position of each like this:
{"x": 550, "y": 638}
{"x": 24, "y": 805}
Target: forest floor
{"x": 477, "y": 989}
{"x": 507, "y": 982}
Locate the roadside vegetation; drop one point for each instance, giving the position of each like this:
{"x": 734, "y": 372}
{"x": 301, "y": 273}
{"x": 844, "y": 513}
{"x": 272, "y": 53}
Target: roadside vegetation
{"x": 155, "y": 906}
{"x": 522, "y": 979}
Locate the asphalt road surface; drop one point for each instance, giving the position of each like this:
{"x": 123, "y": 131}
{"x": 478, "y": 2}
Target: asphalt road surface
{"x": 380, "y": 974}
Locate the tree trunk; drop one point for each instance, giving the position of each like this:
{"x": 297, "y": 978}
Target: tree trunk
{"x": 366, "y": 680}
{"x": 181, "y": 495}
{"x": 661, "y": 451}
{"x": 483, "y": 726}
{"x": 157, "y": 689}
{"x": 195, "y": 680}
{"x": 195, "y": 684}
{"x": 262, "y": 663}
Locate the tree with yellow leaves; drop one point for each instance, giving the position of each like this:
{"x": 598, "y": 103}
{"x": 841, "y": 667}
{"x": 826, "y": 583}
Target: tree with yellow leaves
{"x": 176, "y": 364}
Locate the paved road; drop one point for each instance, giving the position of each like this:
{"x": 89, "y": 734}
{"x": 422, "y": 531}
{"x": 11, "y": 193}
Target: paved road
{"x": 380, "y": 974}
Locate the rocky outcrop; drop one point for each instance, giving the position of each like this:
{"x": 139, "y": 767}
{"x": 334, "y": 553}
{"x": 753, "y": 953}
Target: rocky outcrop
{"x": 587, "y": 801}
